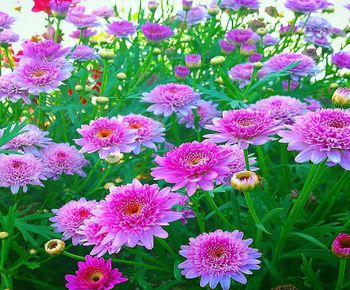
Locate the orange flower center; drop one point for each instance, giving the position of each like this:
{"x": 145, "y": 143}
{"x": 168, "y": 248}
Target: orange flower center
{"x": 135, "y": 126}
{"x": 104, "y": 133}
{"x": 39, "y": 73}
{"x": 133, "y": 208}
{"x": 96, "y": 277}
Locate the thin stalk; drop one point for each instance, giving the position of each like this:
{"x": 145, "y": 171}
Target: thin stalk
{"x": 254, "y": 215}
{"x": 91, "y": 173}
{"x": 175, "y": 129}
{"x": 341, "y": 274}
{"x": 42, "y": 103}
{"x": 198, "y": 214}
{"x": 246, "y": 159}
{"x": 215, "y": 208}
{"x": 57, "y": 31}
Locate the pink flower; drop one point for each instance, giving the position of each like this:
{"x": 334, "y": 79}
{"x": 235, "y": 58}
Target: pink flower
{"x": 104, "y": 12}
{"x": 321, "y": 135}
{"x": 5, "y": 20}
{"x": 242, "y": 73}
{"x": 218, "y": 257}
{"x": 46, "y": 50}
{"x": 106, "y": 136}
{"x": 94, "y": 273}
{"x": 12, "y": 90}
{"x": 307, "y": 6}
{"x": 134, "y": 214}
{"x": 341, "y": 59}
{"x": 121, "y": 28}
{"x": 243, "y": 127}
{"x": 155, "y": 32}
{"x": 239, "y": 36}
{"x": 70, "y": 217}
{"x": 341, "y": 246}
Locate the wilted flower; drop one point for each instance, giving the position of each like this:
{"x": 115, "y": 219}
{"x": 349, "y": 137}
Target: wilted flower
{"x": 156, "y": 32}
{"x": 47, "y": 50}
{"x": 8, "y": 37}
{"x": 5, "y": 20}
{"x": 12, "y": 89}
{"x": 341, "y": 246}
{"x": 122, "y": 28}
{"x": 226, "y": 47}
{"x": 237, "y": 4}
{"x": 341, "y": 59}
{"x": 239, "y": 36}
{"x": 218, "y": 257}
{"x": 245, "y": 181}
{"x": 193, "y": 60}
{"x": 341, "y": 97}
{"x": 242, "y": 73}
{"x": 307, "y": 6}
{"x": 54, "y": 247}
{"x": 181, "y": 72}
{"x": 194, "y": 16}
{"x": 83, "y": 53}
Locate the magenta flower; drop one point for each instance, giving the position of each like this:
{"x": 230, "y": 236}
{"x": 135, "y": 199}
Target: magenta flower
{"x": 242, "y": 73}
{"x": 121, "y": 29}
{"x": 195, "y": 15}
{"x": 181, "y": 71}
{"x": 106, "y": 136}
{"x": 59, "y": 8}
{"x": 247, "y": 49}
{"x": 81, "y": 20}
{"x": 41, "y": 76}
{"x": 237, "y": 4}
{"x": 29, "y": 140}
{"x": 103, "y": 12}
{"x": 148, "y": 131}
{"x": 12, "y": 90}
{"x": 306, "y": 65}
{"x": 269, "y": 40}
{"x": 5, "y": 20}
{"x": 94, "y": 273}
{"x": 341, "y": 246}
{"x": 226, "y": 47}
{"x": 134, "y": 214}
{"x": 70, "y": 217}
{"x": 19, "y": 171}
{"x": 61, "y": 159}
{"x": 193, "y": 60}
{"x": 307, "y": 6}
{"x": 341, "y": 59}
{"x": 243, "y": 127}
{"x": 86, "y": 33}
{"x": 194, "y": 164}
{"x": 45, "y": 50}
{"x": 239, "y": 36}
{"x": 282, "y": 108}
{"x": 170, "y": 98}
{"x": 312, "y": 104}
{"x": 218, "y": 257}
{"x": 321, "y": 135}
{"x": 255, "y": 57}
{"x": 83, "y": 53}
{"x": 155, "y": 32}
{"x": 8, "y": 37}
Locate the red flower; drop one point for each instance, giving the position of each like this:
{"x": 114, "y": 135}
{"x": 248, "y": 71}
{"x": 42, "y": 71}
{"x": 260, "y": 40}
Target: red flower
{"x": 41, "y": 5}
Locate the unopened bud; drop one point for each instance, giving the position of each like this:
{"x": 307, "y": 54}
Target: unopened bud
{"x": 219, "y": 80}
{"x": 153, "y": 5}
{"x": 341, "y": 97}
{"x": 54, "y": 247}
{"x": 261, "y": 31}
{"x": 157, "y": 51}
{"x": 114, "y": 158}
{"x": 89, "y": 88}
{"x": 4, "y": 235}
{"x": 108, "y": 185}
{"x": 106, "y": 53}
{"x": 258, "y": 64}
{"x": 78, "y": 88}
{"x": 213, "y": 10}
{"x": 334, "y": 85}
{"x": 217, "y": 60}
{"x": 33, "y": 251}
{"x": 121, "y": 76}
{"x": 328, "y": 10}
{"x": 245, "y": 180}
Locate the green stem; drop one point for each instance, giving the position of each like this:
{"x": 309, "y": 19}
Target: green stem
{"x": 105, "y": 175}
{"x": 91, "y": 173}
{"x": 57, "y": 31}
{"x": 261, "y": 160}
{"x": 341, "y": 274}
{"x": 246, "y": 159}
{"x": 42, "y": 103}
{"x": 217, "y": 210}
{"x": 198, "y": 214}
{"x": 254, "y": 215}
{"x": 8, "y": 58}
{"x": 175, "y": 129}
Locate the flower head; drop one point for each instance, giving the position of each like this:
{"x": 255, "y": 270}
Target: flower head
{"x": 245, "y": 180}
{"x": 320, "y": 135}
{"x": 5, "y": 20}
{"x": 194, "y": 16}
{"x": 239, "y": 36}
{"x": 8, "y": 37}
{"x": 171, "y": 98}
{"x": 59, "y": 8}
{"x": 242, "y": 73}
{"x": 106, "y": 136}
{"x": 307, "y": 6}
{"x": 19, "y": 171}
{"x": 45, "y": 50}
{"x": 156, "y": 32}
{"x": 193, "y": 60}
{"x": 104, "y": 12}
{"x": 82, "y": 20}
{"x": 238, "y": 4}
{"x": 181, "y": 71}
{"x": 218, "y": 257}
{"x": 318, "y": 31}
{"x": 341, "y": 97}
{"x": 94, "y": 273}
{"x": 269, "y": 40}
{"x": 70, "y": 217}
{"x": 341, "y": 246}
{"x": 12, "y": 90}
{"x": 226, "y": 47}
{"x": 341, "y": 59}
{"x": 83, "y": 53}
{"x": 86, "y": 33}
{"x": 122, "y": 28}
{"x": 54, "y": 247}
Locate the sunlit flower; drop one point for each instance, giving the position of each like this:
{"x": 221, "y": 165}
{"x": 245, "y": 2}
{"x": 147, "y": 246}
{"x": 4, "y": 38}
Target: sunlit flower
{"x": 318, "y": 31}
{"x": 12, "y": 90}
{"x": 194, "y": 16}
{"x": 83, "y": 53}
{"x": 341, "y": 59}
{"x": 307, "y": 6}
{"x": 156, "y": 32}
{"x": 122, "y": 28}
{"x": 193, "y": 60}
{"x": 5, "y": 20}
{"x": 238, "y": 4}
{"x": 181, "y": 71}
{"x": 239, "y": 36}
{"x": 242, "y": 73}
{"x": 104, "y": 12}
{"x": 8, "y": 37}
{"x": 226, "y": 47}
{"x": 43, "y": 50}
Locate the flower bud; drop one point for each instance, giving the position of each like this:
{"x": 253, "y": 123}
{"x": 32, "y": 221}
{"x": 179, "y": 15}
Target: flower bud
{"x": 78, "y": 88}
{"x": 219, "y": 80}
{"x": 258, "y": 64}
{"x": 181, "y": 72}
{"x": 346, "y": 74}
{"x": 341, "y": 97}
{"x": 54, "y": 247}
{"x": 213, "y": 10}
{"x": 341, "y": 246}
{"x": 187, "y": 5}
{"x": 245, "y": 180}
{"x": 261, "y": 31}
{"x": 186, "y": 38}
{"x": 193, "y": 60}
{"x": 121, "y": 76}
{"x": 106, "y": 53}
{"x": 328, "y": 10}
{"x": 153, "y": 5}
{"x": 300, "y": 31}
{"x": 217, "y": 60}
{"x": 4, "y": 235}
{"x": 89, "y": 88}
{"x": 347, "y": 29}
{"x": 108, "y": 185}
{"x": 101, "y": 100}
{"x": 157, "y": 51}
{"x": 114, "y": 158}
{"x": 333, "y": 85}
{"x": 33, "y": 251}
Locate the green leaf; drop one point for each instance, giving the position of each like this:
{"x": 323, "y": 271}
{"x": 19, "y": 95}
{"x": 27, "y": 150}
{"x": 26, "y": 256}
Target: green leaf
{"x": 310, "y": 239}
{"x": 177, "y": 271}
{"x": 312, "y": 278}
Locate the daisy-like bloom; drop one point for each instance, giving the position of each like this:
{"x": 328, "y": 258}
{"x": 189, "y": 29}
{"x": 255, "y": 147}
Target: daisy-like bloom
{"x": 134, "y": 214}
{"x": 242, "y": 73}
{"x": 194, "y": 16}
{"x": 83, "y": 53}
{"x": 148, "y": 131}
{"x": 8, "y": 37}
{"x": 320, "y": 135}
{"x": 47, "y": 50}
{"x": 341, "y": 246}
{"x": 5, "y": 20}
{"x": 206, "y": 111}
{"x": 181, "y": 72}
{"x": 239, "y": 36}
{"x": 81, "y": 20}
{"x": 244, "y": 127}
{"x": 226, "y": 47}
{"x": 106, "y": 136}
{"x": 121, "y": 29}
{"x": 194, "y": 164}
{"x": 59, "y": 8}
{"x": 63, "y": 159}
{"x": 155, "y": 32}
{"x": 307, "y": 6}
{"x": 171, "y": 98}
{"x": 306, "y": 65}
{"x": 237, "y": 4}
{"x": 104, "y": 12}
{"x": 19, "y": 171}
{"x": 282, "y": 108}
{"x": 86, "y": 33}
{"x": 341, "y": 59}
{"x": 193, "y": 60}
{"x": 218, "y": 257}
{"x": 318, "y": 31}
{"x": 29, "y": 140}
{"x": 41, "y": 76}
{"x": 94, "y": 273}
{"x": 70, "y": 217}
{"x": 341, "y": 97}
{"x": 12, "y": 90}
{"x": 269, "y": 40}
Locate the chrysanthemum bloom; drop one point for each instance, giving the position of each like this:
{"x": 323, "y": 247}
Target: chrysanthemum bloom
{"x": 242, "y": 73}
{"x": 19, "y": 171}
{"x": 155, "y": 32}
{"x": 255, "y": 57}
{"x": 83, "y": 53}
{"x": 307, "y": 6}
{"x": 106, "y": 136}
{"x": 218, "y": 257}
{"x": 237, "y": 4}
{"x": 306, "y": 65}
{"x": 269, "y": 40}
{"x": 121, "y": 29}
{"x": 94, "y": 273}
{"x": 226, "y": 47}
{"x": 29, "y": 140}
{"x": 59, "y": 8}
{"x": 41, "y": 76}
{"x": 70, "y": 217}
{"x": 318, "y": 31}
{"x": 320, "y": 135}
{"x": 43, "y": 50}
{"x": 8, "y": 37}
{"x": 12, "y": 90}
{"x": 104, "y": 12}
{"x": 86, "y": 33}
{"x": 247, "y": 49}
{"x": 282, "y": 108}
{"x": 82, "y": 20}
{"x": 5, "y": 20}
{"x": 243, "y": 127}
{"x": 194, "y": 164}
{"x": 194, "y": 16}
{"x": 341, "y": 59}
{"x": 239, "y": 36}
{"x": 134, "y": 214}
{"x": 341, "y": 97}
{"x": 206, "y": 111}
{"x": 312, "y": 104}
{"x": 341, "y": 246}
{"x": 61, "y": 159}
{"x": 148, "y": 131}
{"x": 171, "y": 98}
{"x": 193, "y": 60}
{"x": 181, "y": 72}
